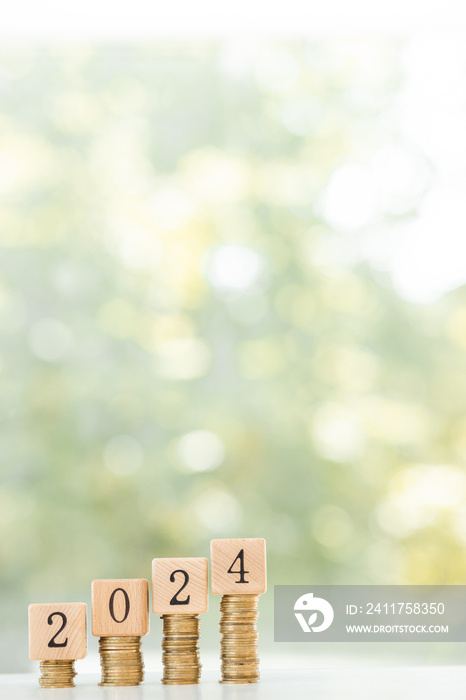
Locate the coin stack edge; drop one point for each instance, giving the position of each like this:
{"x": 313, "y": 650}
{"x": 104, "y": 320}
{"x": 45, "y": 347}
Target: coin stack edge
{"x": 180, "y": 647}
{"x": 121, "y": 661}
{"x": 238, "y": 626}
{"x": 57, "y": 673}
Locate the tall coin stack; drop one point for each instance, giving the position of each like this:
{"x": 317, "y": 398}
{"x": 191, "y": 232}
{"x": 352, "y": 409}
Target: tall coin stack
{"x": 57, "y": 673}
{"x": 239, "y": 575}
{"x": 238, "y": 646}
{"x": 120, "y": 617}
{"x": 180, "y": 647}
{"x": 121, "y": 661}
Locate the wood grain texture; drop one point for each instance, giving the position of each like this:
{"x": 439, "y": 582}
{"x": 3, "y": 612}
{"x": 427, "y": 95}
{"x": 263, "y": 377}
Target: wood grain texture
{"x": 128, "y": 600}
{"x": 42, "y": 632}
{"x": 163, "y": 589}
{"x": 222, "y": 555}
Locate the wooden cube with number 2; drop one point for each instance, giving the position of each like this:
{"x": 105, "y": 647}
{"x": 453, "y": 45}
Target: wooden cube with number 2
{"x": 57, "y": 631}
{"x": 120, "y": 607}
{"x": 179, "y": 586}
{"x": 238, "y": 566}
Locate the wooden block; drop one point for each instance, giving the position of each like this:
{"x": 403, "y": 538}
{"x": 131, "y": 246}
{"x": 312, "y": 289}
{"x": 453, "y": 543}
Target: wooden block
{"x": 120, "y": 607}
{"x": 238, "y": 566}
{"x": 57, "y": 631}
{"x": 179, "y": 586}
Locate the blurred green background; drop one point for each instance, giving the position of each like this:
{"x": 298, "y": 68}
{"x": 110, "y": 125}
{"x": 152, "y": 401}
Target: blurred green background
{"x": 193, "y": 341}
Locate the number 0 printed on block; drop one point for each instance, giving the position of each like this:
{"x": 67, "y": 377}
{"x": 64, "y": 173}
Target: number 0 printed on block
{"x": 238, "y": 566}
{"x": 179, "y": 586}
{"x": 120, "y": 607}
{"x": 57, "y": 631}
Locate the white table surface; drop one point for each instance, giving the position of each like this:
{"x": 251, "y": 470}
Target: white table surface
{"x": 407, "y": 683}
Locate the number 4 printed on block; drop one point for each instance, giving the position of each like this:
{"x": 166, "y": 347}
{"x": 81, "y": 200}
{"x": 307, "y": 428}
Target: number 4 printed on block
{"x": 238, "y": 566}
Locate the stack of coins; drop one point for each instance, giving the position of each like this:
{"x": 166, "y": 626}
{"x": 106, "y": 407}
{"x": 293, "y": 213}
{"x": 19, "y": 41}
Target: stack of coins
{"x": 180, "y": 646}
{"x": 58, "y": 673}
{"x": 238, "y": 646}
{"x": 121, "y": 661}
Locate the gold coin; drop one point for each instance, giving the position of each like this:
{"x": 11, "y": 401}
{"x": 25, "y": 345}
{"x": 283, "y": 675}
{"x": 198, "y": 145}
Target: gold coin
{"x": 180, "y": 649}
{"x": 121, "y": 661}
{"x": 238, "y": 646}
{"x": 57, "y": 673}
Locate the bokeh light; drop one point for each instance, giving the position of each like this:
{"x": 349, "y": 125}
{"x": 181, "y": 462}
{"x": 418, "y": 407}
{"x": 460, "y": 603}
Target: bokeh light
{"x": 201, "y": 450}
{"x": 232, "y": 303}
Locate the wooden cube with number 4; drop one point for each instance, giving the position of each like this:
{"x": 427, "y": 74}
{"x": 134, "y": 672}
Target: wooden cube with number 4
{"x": 179, "y": 586}
{"x": 57, "y": 631}
{"x": 120, "y": 607}
{"x": 238, "y": 566}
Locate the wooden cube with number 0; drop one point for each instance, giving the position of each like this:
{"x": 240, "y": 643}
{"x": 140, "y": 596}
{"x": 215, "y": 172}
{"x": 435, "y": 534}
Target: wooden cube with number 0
{"x": 179, "y": 586}
{"x": 57, "y": 631}
{"x": 238, "y": 566}
{"x": 120, "y": 607}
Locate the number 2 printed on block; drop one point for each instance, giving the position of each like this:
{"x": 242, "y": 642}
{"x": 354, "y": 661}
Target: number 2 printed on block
{"x": 179, "y": 585}
{"x": 57, "y": 631}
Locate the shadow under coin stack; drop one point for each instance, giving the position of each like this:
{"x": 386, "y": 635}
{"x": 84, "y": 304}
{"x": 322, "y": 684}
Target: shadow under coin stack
{"x": 238, "y": 570}
{"x": 120, "y": 617}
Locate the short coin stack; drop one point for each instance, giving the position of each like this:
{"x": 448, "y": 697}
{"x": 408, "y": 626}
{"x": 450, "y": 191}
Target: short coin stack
{"x": 181, "y": 661}
{"x": 57, "y": 636}
{"x": 121, "y": 661}
{"x": 57, "y": 673}
{"x": 238, "y": 646}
